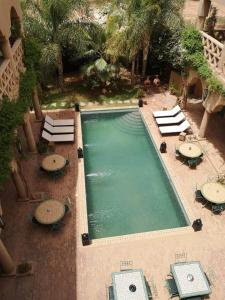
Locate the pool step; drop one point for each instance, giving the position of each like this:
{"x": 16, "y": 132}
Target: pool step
{"x": 131, "y": 123}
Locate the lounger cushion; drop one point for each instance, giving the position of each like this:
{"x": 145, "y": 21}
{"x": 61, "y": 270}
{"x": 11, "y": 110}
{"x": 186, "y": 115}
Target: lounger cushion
{"x": 59, "y": 129}
{"x": 57, "y": 137}
{"x": 175, "y": 129}
{"x": 167, "y": 113}
{"x": 62, "y": 122}
{"x": 171, "y": 120}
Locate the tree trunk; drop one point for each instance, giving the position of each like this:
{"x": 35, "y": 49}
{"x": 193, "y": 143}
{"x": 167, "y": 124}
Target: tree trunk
{"x": 60, "y": 70}
{"x": 36, "y": 104}
{"x": 145, "y": 56}
{"x": 137, "y": 63}
{"x": 133, "y": 71}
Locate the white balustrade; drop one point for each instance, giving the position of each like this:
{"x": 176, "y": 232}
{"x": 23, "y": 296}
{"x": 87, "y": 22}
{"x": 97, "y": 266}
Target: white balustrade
{"x": 212, "y": 50}
{"x": 17, "y": 51}
{"x": 9, "y": 81}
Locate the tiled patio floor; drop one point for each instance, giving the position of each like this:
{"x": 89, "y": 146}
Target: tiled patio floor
{"x": 154, "y": 252}
{"x": 66, "y": 270}
{"x": 53, "y": 253}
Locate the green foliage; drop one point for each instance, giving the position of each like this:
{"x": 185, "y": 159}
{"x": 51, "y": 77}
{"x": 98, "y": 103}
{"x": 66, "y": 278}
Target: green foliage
{"x": 101, "y": 74}
{"x": 173, "y": 89}
{"x": 32, "y": 53}
{"x": 11, "y": 113}
{"x": 59, "y": 31}
{"x": 140, "y": 93}
{"x": 191, "y": 40}
{"x": 8, "y": 122}
{"x": 192, "y": 44}
{"x": 166, "y": 46}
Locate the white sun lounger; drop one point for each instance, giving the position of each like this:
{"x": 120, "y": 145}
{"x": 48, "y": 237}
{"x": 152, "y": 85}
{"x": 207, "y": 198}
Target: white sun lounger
{"x": 58, "y": 129}
{"x": 171, "y": 120}
{"x": 174, "y": 129}
{"x": 63, "y": 122}
{"x": 57, "y": 137}
{"x": 167, "y": 113}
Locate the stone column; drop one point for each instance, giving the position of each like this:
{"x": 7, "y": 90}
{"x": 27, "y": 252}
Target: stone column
{"x": 36, "y": 104}
{"x": 20, "y": 186}
{"x": 6, "y": 261}
{"x": 221, "y": 63}
{"x": 29, "y": 133}
{"x": 204, "y": 124}
{"x": 203, "y": 10}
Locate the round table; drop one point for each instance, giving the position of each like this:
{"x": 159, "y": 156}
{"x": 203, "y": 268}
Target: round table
{"x": 49, "y": 212}
{"x": 53, "y": 162}
{"x": 213, "y": 192}
{"x": 190, "y": 150}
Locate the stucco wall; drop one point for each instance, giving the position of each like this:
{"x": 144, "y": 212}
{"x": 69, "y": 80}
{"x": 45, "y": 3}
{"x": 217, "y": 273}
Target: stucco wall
{"x": 5, "y": 21}
{"x": 176, "y": 82}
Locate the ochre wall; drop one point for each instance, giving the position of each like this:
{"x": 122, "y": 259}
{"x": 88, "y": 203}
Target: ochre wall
{"x": 176, "y": 81}
{"x": 5, "y": 21}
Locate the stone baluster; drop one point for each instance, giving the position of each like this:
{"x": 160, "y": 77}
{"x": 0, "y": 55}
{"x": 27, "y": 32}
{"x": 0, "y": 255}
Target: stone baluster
{"x": 221, "y": 62}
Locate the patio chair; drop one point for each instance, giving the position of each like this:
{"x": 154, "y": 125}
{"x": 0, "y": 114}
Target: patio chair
{"x": 58, "y": 129}
{"x": 198, "y": 195}
{"x": 110, "y": 293}
{"x": 193, "y": 162}
{"x": 68, "y": 205}
{"x": 171, "y": 120}
{"x": 32, "y": 219}
{"x": 57, "y": 226}
{"x": 149, "y": 292}
{"x": 175, "y": 128}
{"x": 167, "y": 113}
{"x": 217, "y": 208}
{"x": 209, "y": 282}
{"x": 172, "y": 287}
{"x": 195, "y": 298}
{"x": 68, "y": 160}
{"x": 57, "y": 138}
{"x": 62, "y": 122}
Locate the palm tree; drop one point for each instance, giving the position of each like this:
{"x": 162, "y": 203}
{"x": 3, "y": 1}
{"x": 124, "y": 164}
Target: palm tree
{"x": 54, "y": 22}
{"x": 141, "y": 17}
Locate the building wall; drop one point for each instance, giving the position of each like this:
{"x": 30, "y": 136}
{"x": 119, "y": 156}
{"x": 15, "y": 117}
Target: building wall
{"x": 5, "y": 21}
{"x": 12, "y": 62}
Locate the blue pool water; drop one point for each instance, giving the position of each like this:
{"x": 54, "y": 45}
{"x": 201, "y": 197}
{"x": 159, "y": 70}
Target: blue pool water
{"x": 128, "y": 190}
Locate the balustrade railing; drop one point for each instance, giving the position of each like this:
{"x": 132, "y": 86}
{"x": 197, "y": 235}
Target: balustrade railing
{"x": 17, "y": 51}
{"x": 213, "y": 50}
{"x": 9, "y": 80}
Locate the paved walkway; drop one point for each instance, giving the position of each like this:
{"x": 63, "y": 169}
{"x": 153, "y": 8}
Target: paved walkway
{"x": 154, "y": 252}
{"x": 53, "y": 253}
{"x": 66, "y": 270}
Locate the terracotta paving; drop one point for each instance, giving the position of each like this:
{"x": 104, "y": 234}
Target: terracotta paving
{"x": 53, "y": 253}
{"x": 154, "y": 252}
{"x": 64, "y": 269}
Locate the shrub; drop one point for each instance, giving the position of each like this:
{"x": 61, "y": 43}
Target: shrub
{"x": 140, "y": 93}
{"x": 192, "y": 43}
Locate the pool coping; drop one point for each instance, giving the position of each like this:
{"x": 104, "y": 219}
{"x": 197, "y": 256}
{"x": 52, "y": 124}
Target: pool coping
{"x": 82, "y": 201}
{"x": 166, "y": 171}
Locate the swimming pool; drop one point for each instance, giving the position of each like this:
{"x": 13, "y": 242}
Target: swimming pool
{"x": 127, "y": 188}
